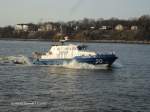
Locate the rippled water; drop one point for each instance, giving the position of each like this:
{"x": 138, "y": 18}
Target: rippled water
{"x": 82, "y": 88}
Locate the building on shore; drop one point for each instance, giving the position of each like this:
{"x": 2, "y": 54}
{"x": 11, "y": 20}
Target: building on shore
{"x": 105, "y": 28}
{"x": 134, "y": 28}
{"x": 119, "y": 27}
{"x": 25, "y": 27}
{"x": 21, "y": 27}
{"x": 47, "y": 27}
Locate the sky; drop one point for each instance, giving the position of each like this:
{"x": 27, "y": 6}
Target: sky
{"x": 25, "y": 11}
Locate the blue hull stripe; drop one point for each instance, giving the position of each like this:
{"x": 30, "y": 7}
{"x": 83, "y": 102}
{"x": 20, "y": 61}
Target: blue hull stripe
{"x": 98, "y": 59}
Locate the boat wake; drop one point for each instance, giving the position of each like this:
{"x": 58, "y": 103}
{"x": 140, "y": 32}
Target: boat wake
{"x": 76, "y": 65}
{"x": 24, "y": 60}
{"x": 15, "y": 60}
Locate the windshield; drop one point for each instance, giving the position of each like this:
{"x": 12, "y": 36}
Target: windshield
{"x": 82, "y": 47}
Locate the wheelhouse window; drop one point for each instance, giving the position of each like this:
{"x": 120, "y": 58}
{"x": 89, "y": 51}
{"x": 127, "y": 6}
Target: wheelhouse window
{"x": 82, "y": 47}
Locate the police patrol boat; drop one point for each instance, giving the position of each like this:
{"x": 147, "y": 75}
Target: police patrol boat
{"x": 62, "y": 53}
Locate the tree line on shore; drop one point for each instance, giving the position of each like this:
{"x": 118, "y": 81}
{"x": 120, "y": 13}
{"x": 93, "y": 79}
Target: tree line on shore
{"x": 86, "y": 29}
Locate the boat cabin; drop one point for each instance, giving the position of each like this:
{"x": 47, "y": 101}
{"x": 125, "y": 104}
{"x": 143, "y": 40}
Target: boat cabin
{"x": 66, "y": 52}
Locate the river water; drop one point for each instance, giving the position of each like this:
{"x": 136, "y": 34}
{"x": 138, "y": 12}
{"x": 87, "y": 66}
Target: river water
{"x": 75, "y": 87}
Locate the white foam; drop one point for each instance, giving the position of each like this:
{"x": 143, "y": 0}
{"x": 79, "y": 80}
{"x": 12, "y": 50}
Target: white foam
{"x": 21, "y": 59}
{"x": 75, "y": 65}
{"x": 117, "y": 65}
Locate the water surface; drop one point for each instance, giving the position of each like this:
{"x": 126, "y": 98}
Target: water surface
{"x": 123, "y": 88}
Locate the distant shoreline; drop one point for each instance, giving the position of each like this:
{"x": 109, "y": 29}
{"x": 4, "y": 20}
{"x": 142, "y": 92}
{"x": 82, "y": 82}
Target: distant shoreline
{"x": 87, "y": 41}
